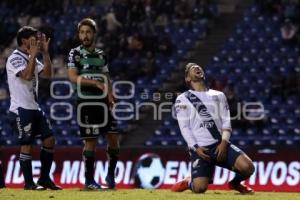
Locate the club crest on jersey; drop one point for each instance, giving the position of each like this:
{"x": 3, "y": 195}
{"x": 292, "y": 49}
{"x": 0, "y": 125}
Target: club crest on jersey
{"x": 204, "y": 113}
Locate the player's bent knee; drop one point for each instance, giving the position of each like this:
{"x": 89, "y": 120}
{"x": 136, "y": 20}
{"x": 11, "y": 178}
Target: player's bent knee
{"x": 248, "y": 169}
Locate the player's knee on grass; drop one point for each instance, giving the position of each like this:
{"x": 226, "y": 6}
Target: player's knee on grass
{"x": 49, "y": 142}
{"x": 199, "y": 186}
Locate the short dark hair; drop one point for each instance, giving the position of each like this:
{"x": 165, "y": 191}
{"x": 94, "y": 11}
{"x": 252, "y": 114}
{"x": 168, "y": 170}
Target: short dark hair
{"x": 88, "y": 22}
{"x": 25, "y": 32}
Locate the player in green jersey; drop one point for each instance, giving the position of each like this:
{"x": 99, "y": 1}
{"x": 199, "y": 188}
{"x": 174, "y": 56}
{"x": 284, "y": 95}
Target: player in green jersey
{"x": 88, "y": 70}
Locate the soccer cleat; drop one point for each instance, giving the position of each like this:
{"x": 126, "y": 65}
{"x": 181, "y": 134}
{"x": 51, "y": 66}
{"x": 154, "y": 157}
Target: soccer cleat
{"x": 34, "y": 187}
{"x": 182, "y": 185}
{"x": 242, "y": 188}
{"x": 48, "y": 184}
{"x": 110, "y": 181}
{"x": 91, "y": 185}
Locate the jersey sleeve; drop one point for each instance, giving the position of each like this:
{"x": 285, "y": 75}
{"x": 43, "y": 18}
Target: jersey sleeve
{"x": 72, "y": 63}
{"x": 16, "y": 64}
{"x": 224, "y": 112}
{"x": 39, "y": 65}
{"x": 183, "y": 118}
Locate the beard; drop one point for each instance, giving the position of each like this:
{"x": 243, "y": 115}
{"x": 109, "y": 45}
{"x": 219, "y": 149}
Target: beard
{"x": 199, "y": 77}
{"x": 86, "y": 43}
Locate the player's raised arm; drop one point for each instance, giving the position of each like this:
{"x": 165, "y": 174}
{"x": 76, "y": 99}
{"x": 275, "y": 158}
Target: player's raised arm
{"x": 28, "y": 71}
{"x": 45, "y": 71}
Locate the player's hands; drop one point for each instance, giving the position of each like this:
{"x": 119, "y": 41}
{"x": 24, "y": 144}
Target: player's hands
{"x": 33, "y": 47}
{"x": 44, "y": 43}
{"x": 101, "y": 86}
{"x": 111, "y": 101}
{"x": 202, "y": 152}
{"x": 221, "y": 151}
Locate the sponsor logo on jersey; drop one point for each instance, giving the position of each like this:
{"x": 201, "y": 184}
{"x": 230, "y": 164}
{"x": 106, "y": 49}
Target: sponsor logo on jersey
{"x": 206, "y": 125}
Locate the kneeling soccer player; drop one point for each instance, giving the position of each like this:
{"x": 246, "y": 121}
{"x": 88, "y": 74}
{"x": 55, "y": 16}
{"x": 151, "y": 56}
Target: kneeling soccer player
{"x": 204, "y": 120}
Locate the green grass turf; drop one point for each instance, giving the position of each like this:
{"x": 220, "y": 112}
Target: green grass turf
{"x": 139, "y": 194}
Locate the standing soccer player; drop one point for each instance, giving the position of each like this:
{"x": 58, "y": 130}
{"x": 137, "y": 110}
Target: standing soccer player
{"x": 88, "y": 69}
{"x": 204, "y": 120}
{"x": 23, "y": 69}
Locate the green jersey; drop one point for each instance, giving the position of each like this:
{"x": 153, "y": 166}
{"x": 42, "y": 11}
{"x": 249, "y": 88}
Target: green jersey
{"x": 89, "y": 65}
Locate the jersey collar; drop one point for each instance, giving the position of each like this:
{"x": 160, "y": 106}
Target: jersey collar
{"x": 22, "y": 53}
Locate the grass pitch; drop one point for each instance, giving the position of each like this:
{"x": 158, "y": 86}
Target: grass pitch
{"x": 139, "y": 194}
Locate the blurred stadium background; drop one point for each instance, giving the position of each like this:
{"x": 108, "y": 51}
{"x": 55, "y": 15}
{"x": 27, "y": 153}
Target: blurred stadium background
{"x": 249, "y": 49}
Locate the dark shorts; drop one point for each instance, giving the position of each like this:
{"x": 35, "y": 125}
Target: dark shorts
{"x": 30, "y": 124}
{"x": 203, "y": 168}
{"x": 95, "y": 118}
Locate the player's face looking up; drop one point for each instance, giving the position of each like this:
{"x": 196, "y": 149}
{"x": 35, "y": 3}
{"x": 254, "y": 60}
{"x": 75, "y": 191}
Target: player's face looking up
{"x": 86, "y": 35}
{"x": 195, "y": 73}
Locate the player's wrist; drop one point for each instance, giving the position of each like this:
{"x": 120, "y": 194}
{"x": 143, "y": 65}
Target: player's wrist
{"x": 226, "y": 135}
{"x": 225, "y": 142}
{"x": 195, "y": 147}
{"x": 32, "y": 55}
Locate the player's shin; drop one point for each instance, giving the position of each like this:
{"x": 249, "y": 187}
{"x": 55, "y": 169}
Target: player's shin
{"x": 46, "y": 157}
{"x": 2, "y": 183}
{"x": 238, "y": 178}
{"x": 26, "y": 167}
{"x": 89, "y": 162}
{"x": 113, "y": 156}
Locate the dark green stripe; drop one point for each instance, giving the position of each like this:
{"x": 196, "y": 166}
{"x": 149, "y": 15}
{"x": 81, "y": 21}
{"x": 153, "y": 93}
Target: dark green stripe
{"x": 92, "y": 61}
